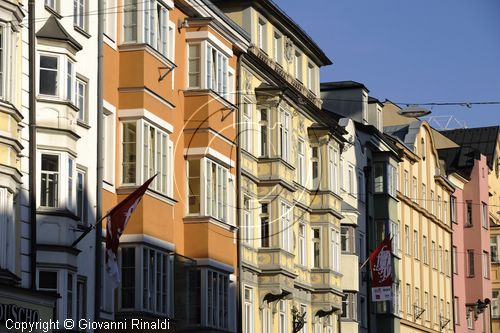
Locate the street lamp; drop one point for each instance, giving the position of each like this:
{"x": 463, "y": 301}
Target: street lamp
{"x": 298, "y": 319}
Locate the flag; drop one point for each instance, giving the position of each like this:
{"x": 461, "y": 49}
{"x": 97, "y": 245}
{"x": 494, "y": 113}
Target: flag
{"x": 381, "y": 271}
{"x": 117, "y": 220}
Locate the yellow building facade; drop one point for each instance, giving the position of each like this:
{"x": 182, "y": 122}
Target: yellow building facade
{"x": 289, "y": 195}
{"x": 424, "y": 246}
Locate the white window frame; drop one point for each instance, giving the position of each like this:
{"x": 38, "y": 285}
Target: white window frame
{"x": 286, "y": 231}
{"x": 302, "y": 253}
{"x": 7, "y": 230}
{"x": 248, "y": 326}
{"x": 248, "y": 236}
{"x": 80, "y": 13}
{"x": 335, "y": 250}
{"x": 278, "y": 47}
{"x": 486, "y": 265}
{"x": 285, "y": 129}
{"x": 263, "y": 132}
{"x": 246, "y": 126}
{"x": 109, "y": 140}
{"x": 283, "y": 316}
{"x": 81, "y": 100}
{"x": 65, "y": 201}
{"x": 316, "y": 244}
{"x": 301, "y": 162}
{"x": 298, "y": 65}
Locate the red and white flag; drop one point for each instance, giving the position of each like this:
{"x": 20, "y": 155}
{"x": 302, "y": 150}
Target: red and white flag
{"x": 381, "y": 271}
{"x": 117, "y": 220}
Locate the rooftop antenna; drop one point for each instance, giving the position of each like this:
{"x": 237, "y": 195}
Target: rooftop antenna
{"x": 442, "y": 123}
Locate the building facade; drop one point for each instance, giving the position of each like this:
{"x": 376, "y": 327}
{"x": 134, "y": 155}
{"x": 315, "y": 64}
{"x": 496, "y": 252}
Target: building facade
{"x": 425, "y": 244}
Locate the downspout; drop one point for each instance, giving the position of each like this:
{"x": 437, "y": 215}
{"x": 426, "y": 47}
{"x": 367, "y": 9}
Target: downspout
{"x": 367, "y": 171}
{"x": 32, "y": 140}
{"x": 239, "y": 316}
{"x": 100, "y": 165}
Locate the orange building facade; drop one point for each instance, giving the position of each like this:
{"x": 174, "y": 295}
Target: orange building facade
{"x": 169, "y": 109}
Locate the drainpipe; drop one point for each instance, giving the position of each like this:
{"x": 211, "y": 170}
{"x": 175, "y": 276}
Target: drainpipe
{"x": 239, "y": 316}
{"x": 100, "y": 165}
{"x": 367, "y": 170}
{"x": 32, "y": 140}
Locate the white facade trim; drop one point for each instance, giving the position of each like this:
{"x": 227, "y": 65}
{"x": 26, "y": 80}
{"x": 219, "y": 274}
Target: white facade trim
{"x": 207, "y": 35}
{"x": 142, "y": 238}
{"x": 210, "y": 152}
{"x": 144, "y": 113}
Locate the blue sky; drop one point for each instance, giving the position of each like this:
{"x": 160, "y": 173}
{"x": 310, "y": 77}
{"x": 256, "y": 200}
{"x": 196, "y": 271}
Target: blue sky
{"x": 411, "y": 51}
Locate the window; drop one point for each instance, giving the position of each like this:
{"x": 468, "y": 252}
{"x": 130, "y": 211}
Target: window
{"x": 468, "y": 216}
{"x": 486, "y": 265}
{"x": 155, "y": 288}
{"x": 216, "y": 190}
{"x": 392, "y": 178}
{"x": 445, "y": 212}
{"x": 81, "y": 298}
{"x": 315, "y": 167}
{"x": 439, "y": 208}
{"x": 440, "y": 258}
{"x": 316, "y": 240}
{"x": 264, "y": 225}
{"x": 484, "y": 215}
{"x": 153, "y": 24}
{"x": 335, "y": 250}
{"x": 433, "y": 204}
{"x": 246, "y": 126}
{"x": 266, "y": 318}
{"x": 447, "y": 262}
{"x": 194, "y": 182}
{"x": 407, "y": 239}
{"x": 333, "y": 166}
{"x": 301, "y": 172}
{"x": 470, "y": 263}
{"x": 81, "y": 195}
{"x": 217, "y": 71}
{"x": 424, "y": 196}
{"x": 424, "y": 249}
{"x": 455, "y": 259}
{"x": 249, "y": 317}
{"x": 347, "y": 240}
{"x": 311, "y": 77}
{"x": 217, "y": 306}
{"x": 286, "y": 227}
{"x": 349, "y": 307}
{"x": 284, "y": 134}
{"x": 470, "y": 320}
{"x": 264, "y": 132}
{"x": 283, "y": 317}
{"x": 408, "y": 299}
{"x": 361, "y": 186}
{"x": 109, "y": 18}
{"x": 394, "y": 230}
{"x": 435, "y": 303}
{"x": 247, "y": 221}
{"x": 49, "y": 75}
{"x": 277, "y": 48}
{"x": 2, "y": 61}
{"x": 405, "y": 183}
{"x": 494, "y": 249}
{"x": 69, "y": 296}
{"x": 379, "y": 178}
{"x": 417, "y": 297}
{"x": 453, "y": 207}
{"x": 262, "y": 35}
{"x": 426, "y": 306}
{"x": 396, "y": 296}
{"x": 456, "y": 311}
{"x": 48, "y": 281}
{"x": 495, "y": 304}
{"x": 52, "y": 4}
{"x": 194, "y": 65}
{"x": 303, "y": 309}
{"x": 351, "y": 187}
{"x": 415, "y": 244}
{"x": 49, "y": 191}
{"x": 81, "y": 99}
{"x": 414, "y": 189}
{"x": 298, "y": 65}
{"x": 154, "y": 149}
{"x": 302, "y": 244}
{"x": 79, "y": 13}
{"x": 433, "y": 254}
{"x": 8, "y": 203}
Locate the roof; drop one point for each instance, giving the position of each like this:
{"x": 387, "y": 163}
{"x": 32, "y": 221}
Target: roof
{"x": 338, "y": 85}
{"x": 484, "y": 139}
{"x": 459, "y": 160}
{"x": 53, "y": 29}
{"x": 406, "y": 133}
{"x": 273, "y": 11}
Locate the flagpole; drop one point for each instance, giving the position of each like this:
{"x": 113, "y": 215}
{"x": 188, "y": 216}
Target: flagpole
{"x": 366, "y": 261}
{"x": 88, "y": 230}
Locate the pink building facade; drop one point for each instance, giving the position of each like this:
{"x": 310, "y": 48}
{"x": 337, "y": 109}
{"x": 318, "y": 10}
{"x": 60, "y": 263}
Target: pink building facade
{"x": 468, "y": 171}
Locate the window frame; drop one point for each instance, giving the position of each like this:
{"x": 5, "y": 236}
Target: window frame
{"x": 80, "y": 14}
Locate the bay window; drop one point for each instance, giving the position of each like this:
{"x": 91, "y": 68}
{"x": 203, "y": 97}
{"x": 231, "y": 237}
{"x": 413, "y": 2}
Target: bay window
{"x": 247, "y": 221}
{"x": 315, "y": 167}
{"x": 208, "y": 189}
{"x": 81, "y": 197}
{"x": 49, "y": 75}
{"x": 333, "y": 167}
{"x": 335, "y": 250}
{"x": 49, "y": 190}
{"x": 215, "y": 298}
{"x": 302, "y": 243}
{"x": 248, "y": 313}
{"x": 147, "y": 22}
{"x": 194, "y": 65}
{"x": 316, "y": 247}
{"x": 246, "y": 126}
{"x": 153, "y": 284}
{"x": 385, "y": 178}
{"x": 301, "y": 172}
{"x": 264, "y": 225}
{"x": 149, "y": 146}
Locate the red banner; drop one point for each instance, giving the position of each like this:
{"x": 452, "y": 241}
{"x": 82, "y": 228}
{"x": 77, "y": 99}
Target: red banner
{"x": 381, "y": 271}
